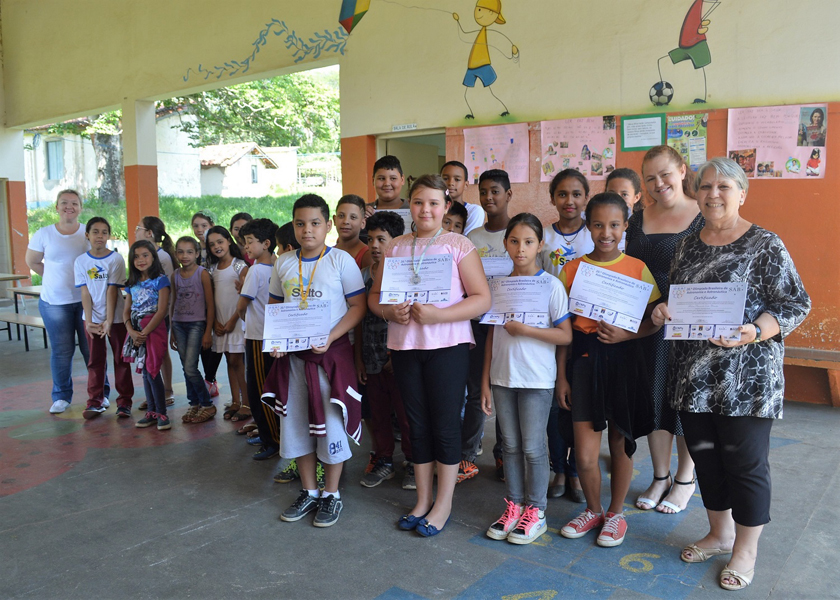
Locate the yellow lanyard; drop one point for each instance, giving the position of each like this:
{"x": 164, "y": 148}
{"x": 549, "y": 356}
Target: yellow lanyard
{"x": 304, "y": 304}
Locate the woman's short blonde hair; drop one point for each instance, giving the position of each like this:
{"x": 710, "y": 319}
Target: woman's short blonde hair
{"x": 68, "y": 191}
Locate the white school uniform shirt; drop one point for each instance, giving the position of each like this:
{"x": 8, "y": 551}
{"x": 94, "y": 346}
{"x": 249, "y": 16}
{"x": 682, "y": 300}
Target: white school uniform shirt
{"x": 255, "y": 288}
{"x": 561, "y": 248}
{"x": 523, "y": 362}
{"x": 475, "y": 217}
{"x": 60, "y": 252}
{"x": 488, "y": 243}
{"x": 166, "y": 262}
{"x": 337, "y": 279}
{"x": 97, "y": 274}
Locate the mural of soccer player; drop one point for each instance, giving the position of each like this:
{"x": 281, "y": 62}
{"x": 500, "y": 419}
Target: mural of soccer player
{"x": 486, "y": 13}
{"x": 693, "y": 45}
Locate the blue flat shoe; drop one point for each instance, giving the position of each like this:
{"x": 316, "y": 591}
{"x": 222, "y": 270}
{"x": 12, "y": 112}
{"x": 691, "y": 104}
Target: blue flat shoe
{"x": 426, "y": 529}
{"x": 409, "y": 522}
{"x": 254, "y": 441}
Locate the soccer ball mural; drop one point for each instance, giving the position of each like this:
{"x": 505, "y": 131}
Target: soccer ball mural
{"x": 661, "y": 93}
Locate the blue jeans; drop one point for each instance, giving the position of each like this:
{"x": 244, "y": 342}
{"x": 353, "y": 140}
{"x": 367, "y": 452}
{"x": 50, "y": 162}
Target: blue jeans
{"x": 155, "y": 394}
{"x": 64, "y": 326}
{"x": 188, "y": 336}
{"x": 558, "y": 447}
{"x": 522, "y": 415}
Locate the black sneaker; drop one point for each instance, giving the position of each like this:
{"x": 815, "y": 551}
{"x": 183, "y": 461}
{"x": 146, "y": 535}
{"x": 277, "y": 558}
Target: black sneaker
{"x": 287, "y": 475}
{"x": 123, "y": 412}
{"x": 147, "y": 421}
{"x": 266, "y": 452}
{"x": 301, "y": 507}
{"x": 382, "y": 471}
{"x": 329, "y": 508}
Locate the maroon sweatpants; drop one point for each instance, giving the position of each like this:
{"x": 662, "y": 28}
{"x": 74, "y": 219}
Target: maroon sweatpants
{"x": 97, "y": 366}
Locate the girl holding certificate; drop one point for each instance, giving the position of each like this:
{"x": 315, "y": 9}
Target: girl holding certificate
{"x": 606, "y": 379}
{"x": 430, "y": 350}
{"x": 520, "y": 366}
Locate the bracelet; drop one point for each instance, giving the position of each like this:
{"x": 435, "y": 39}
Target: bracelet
{"x": 382, "y": 310}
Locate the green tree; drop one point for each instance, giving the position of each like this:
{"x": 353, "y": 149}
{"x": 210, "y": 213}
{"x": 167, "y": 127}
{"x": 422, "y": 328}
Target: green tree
{"x": 301, "y": 110}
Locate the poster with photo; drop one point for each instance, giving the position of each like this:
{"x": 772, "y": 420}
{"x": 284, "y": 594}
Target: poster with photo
{"x": 783, "y": 142}
{"x": 498, "y": 147}
{"x": 687, "y": 135}
{"x": 587, "y": 145}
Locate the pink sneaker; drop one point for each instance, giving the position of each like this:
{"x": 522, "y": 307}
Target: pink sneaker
{"x": 614, "y": 530}
{"x": 501, "y": 528}
{"x": 530, "y": 526}
{"x": 582, "y": 524}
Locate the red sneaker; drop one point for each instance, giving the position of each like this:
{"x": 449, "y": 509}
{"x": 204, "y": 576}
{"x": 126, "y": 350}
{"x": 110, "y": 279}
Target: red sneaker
{"x": 614, "y": 530}
{"x": 582, "y": 524}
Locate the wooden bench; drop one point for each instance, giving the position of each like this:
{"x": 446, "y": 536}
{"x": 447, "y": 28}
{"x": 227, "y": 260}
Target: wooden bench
{"x": 818, "y": 359}
{"x": 27, "y": 321}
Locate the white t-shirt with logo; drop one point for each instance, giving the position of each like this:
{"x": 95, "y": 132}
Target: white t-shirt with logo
{"x": 97, "y": 274}
{"x": 255, "y": 288}
{"x": 337, "y": 278}
{"x": 561, "y": 248}
{"x": 488, "y": 243}
{"x": 60, "y": 252}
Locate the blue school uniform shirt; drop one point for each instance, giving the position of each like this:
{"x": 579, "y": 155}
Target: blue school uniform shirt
{"x": 145, "y": 294}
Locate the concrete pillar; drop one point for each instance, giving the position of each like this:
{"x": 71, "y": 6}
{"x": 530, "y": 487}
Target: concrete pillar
{"x": 140, "y": 162}
{"x": 357, "y": 157}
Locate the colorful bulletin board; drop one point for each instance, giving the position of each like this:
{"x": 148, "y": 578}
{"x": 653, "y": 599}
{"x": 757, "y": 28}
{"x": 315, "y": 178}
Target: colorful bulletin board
{"x": 782, "y": 142}
{"x": 587, "y": 145}
{"x": 687, "y": 135}
{"x": 498, "y": 147}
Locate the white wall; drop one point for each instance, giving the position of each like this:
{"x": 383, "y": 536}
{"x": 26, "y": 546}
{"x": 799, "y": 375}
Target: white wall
{"x": 80, "y": 171}
{"x": 212, "y": 181}
{"x": 179, "y": 166}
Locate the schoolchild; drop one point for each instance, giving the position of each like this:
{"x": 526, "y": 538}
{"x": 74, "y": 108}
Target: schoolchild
{"x": 349, "y": 219}
{"x": 100, "y": 273}
{"x": 376, "y": 371}
{"x": 605, "y": 367}
{"x": 567, "y": 238}
{"x": 315, "y": 390}
{"x": 146, "y": 307}
{"x": 227, "y": 267}
{"x": 388, "y": 181}
{"x": 455, "y": 218}
{"x": 258, "y": 236}
{"x": 285, "y": 238}
{"x": 495, "y": 194}
{"x": 627, "y": 184}
{"x": 429, "y": 346}
{"x": 210, "y": 360}
{"x": 236, "y": 223}
{"x": 521, "y": 369}
{"x": 454, "y": 173}
{"x": 193, "y": 314}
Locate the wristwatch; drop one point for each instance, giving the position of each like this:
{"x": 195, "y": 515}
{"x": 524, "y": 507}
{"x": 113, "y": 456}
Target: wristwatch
{"x": 757, "y": 333}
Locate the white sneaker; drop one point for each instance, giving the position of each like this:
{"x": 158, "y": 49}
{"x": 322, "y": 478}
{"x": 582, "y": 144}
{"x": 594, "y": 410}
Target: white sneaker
{"x": 106, "y": 403}
{"x": 59, "y": 406}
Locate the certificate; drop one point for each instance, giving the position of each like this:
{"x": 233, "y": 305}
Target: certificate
{"x": 289, "y": 328}
{"x": 496, "y": 266}
{"x": 604, "y": 295}
{"x": 700, "y": 311}
{"x": 398, "y": 280}
{"x": 404, "y": 213}
{"x": 523, "y": 299}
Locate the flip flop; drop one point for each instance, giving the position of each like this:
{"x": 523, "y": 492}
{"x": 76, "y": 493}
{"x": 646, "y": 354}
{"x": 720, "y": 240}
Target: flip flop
{"x": 246, "y": 429}
{"x": 743, "y": 579}
{"x": 701, "y": 554}
{"x": 243, "y": 414}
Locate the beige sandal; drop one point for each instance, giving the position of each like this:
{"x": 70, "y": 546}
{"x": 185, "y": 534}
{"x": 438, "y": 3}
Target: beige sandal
{"x": 701, "y": 554}
{"x": 205, "y": 413}
{"x": 743, "y": 579}
{"x": 190, "y": 414}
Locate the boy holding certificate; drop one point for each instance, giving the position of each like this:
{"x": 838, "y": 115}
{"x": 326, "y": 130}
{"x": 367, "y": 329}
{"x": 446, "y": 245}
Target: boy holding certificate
{"x": 605, "y": 366}
{"x": 315, "y": 389}
{"x": 494, "y": 193}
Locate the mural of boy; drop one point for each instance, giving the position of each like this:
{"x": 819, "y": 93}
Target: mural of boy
{"x": 693, "y": 45}
{"x": 486, "y": 13}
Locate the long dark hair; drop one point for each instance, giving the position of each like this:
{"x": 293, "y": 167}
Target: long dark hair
{"x": 234, "y": 248}
{"x": 158, "y": 229}
{"x": 528, "y": 220}
{"x": 154, "y": 271}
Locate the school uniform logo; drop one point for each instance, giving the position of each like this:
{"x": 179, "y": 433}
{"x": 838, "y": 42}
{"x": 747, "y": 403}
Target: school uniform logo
{"x": 294, "y": 290}
{"x": 562, "y": 255}
{"x": 97, "y": 273}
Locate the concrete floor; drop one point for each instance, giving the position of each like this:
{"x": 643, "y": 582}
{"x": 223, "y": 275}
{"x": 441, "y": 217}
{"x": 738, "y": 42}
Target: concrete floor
{"x": 100, "y": 509}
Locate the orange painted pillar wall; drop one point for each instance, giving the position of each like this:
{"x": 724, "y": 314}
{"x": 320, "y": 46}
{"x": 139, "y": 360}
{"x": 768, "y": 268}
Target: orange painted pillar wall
{"x": 18, "y": 224}
{"x": 357, "y": 157}
{"x": 140, "y": 162}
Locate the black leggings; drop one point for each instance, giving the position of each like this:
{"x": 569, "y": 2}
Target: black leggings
{"x": 732, "y": 458}
{"x": 431, "y": 383}
{"x": 210, "y": 361}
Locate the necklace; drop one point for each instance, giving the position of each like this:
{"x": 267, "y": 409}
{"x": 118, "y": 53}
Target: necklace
{"x": 415, "y": 279}
{"x": 569, "y": 241}
{"x": 304, "y": 302}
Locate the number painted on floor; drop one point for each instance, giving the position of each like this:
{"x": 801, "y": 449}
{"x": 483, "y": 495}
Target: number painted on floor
{"x": 542, "y": 595}
{"x": 631, "y": 561}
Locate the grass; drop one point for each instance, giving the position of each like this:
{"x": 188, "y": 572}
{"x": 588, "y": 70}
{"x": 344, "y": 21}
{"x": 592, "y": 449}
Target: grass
{"x": 177, "y": 212}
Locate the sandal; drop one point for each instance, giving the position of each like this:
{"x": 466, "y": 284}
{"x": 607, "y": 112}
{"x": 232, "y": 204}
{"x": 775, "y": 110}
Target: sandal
{"x": 205, "y": 413}
{"x": 243, "y": 414}
{"x": 253, "y": 433}
{"x": 230, "y": 411}
{"x": 673, "y": 506}
{"x": 188, "y": 416}
{"x": 643, "y": 503}
{"x": 701, "y": 554}
{"x": 246, "y": 429}
{"x": 743, "y": 579}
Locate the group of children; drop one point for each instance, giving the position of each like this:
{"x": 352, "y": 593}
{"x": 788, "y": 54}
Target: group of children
{"x": 432, "y": 371}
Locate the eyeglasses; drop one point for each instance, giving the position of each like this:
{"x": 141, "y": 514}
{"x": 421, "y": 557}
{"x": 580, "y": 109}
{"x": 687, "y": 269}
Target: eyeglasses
{"x": 140, "y": 228}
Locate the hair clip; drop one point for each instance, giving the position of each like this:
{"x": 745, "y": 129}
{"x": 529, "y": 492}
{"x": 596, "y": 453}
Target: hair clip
{"x": 446, "y": 192}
